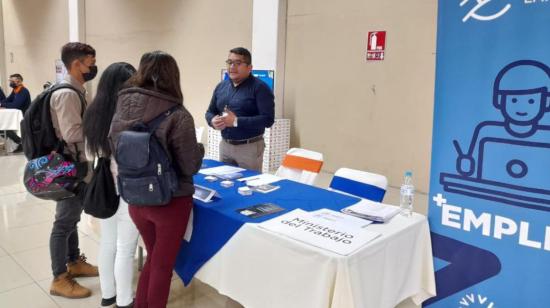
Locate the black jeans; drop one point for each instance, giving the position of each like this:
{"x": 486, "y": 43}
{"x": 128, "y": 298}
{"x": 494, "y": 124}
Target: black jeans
{"x": 64, "y": 236}
{"x": 12, "y": 135}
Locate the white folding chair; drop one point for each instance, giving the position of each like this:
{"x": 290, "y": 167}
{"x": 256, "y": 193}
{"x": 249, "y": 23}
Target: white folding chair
{"x": 358, "y": 183}
{"x": 301, "y": 165}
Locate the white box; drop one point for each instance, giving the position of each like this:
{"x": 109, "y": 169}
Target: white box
{"x": 277, "y": 143}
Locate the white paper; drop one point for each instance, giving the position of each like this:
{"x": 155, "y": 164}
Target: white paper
{"x": 372, "y": 210}
{"x": 198, "y": 133}
{"x": 316, "y": 230}
{"x": 221, "y": 170}
{"x": 340, "y": 218}
{"x": 260, "y": 179}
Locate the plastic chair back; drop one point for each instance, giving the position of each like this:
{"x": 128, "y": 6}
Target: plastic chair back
{"x": 301, "y": 165}
{"x": 361, "y": 184}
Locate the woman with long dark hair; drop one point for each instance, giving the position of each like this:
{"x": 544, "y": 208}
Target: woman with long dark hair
{"x": 153, "y": 90}
{"x": 119, "y": 234}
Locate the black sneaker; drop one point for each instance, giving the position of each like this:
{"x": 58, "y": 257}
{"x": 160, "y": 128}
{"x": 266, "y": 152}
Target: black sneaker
{"x": 105, "y": 302}
{"x": 18, "y": 149}
{"x": 128, "y": 306}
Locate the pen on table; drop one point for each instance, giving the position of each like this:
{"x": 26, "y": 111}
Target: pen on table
{"x": 248, "y": 179}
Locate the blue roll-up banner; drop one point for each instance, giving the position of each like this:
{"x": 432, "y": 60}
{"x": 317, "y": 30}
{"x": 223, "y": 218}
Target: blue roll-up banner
{"x": 489, "y": 207}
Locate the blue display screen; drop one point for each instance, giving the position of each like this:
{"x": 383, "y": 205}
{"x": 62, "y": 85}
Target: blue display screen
{"x": 267, "y": 76}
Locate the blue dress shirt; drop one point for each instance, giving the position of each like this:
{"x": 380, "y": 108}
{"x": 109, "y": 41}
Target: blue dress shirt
{"x": 252, "y": 102}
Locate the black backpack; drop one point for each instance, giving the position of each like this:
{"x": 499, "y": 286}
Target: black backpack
{"x": 37, "y": 131}
{"x": 145, "y": 173}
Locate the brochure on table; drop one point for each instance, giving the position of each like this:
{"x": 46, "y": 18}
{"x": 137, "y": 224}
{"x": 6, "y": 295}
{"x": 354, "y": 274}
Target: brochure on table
{"x": 260, "y": 210}
{"x": 260, "y": 179}
{"x": 221, "y": 170}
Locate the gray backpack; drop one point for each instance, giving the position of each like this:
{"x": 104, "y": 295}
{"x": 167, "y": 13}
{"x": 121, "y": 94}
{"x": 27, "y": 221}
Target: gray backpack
{"x": 145, "y": 173}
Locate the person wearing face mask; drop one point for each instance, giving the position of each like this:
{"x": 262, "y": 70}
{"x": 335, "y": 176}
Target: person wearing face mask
{"x": 19, "y": 98}
{"x": 67, "y": 107}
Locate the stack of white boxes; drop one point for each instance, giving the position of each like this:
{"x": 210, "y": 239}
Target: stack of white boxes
{"x": 277, "y": 142}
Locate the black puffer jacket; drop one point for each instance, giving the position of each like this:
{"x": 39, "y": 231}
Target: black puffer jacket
{"x": 176, "y": 133}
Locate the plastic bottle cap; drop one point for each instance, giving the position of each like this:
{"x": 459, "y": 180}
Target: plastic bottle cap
{"x": 408, "y": 173}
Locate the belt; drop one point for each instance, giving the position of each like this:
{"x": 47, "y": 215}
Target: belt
{"x": 244, "y": 141}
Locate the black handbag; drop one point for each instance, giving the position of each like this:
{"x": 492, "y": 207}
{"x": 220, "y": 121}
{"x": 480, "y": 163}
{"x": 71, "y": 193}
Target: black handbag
{"x": 101, "y": 199}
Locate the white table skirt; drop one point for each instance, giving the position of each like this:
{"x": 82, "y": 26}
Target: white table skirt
{"x": 261, "y": 269}
{"x": 10, "y": 119}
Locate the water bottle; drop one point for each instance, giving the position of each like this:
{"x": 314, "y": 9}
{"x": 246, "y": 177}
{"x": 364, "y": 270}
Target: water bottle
{"x": 407, "y": 195}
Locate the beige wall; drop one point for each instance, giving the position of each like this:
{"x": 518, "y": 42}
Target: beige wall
{"x": 369, "y": 116}
{"x": 197, "y": 33}
{"x": 34, "y": 32}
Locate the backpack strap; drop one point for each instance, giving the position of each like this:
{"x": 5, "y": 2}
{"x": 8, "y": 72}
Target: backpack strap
{"x": 154, "y": 123}
{"x": 59, "y": 86}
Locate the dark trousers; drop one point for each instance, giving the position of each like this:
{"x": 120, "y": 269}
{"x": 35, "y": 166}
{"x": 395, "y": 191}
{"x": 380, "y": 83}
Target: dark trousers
{"x": 64, "y": 236}
{"x": 13, "y": 136}
{"x": 162, "y": 229}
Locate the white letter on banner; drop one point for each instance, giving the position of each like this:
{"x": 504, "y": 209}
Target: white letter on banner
{"x": 483, "y": 220}
{"x": 511, "y": 226}
{"x": 446, "y": 216}
{"x": 524, "y": 236}
{"x": 547, "y": 239}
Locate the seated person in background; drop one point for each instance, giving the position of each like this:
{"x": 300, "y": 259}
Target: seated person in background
{"x": 19, "y": 98}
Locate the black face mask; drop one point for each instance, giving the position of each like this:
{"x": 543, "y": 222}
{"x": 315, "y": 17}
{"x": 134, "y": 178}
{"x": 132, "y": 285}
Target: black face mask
{"x": 13, "y": 85}
{"x": 91, "y": 74}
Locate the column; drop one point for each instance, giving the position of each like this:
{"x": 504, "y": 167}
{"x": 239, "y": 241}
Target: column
{"x": 268, "y": 43}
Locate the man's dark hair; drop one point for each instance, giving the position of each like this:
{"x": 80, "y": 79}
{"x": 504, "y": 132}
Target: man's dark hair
{"x": 243, "y": 52}
{"x": 75, "y": 50}
{"x": 18, "y": 76}
{"x": 158, "y": 71}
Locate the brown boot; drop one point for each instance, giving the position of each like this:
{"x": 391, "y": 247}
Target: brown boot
{"x": 65, "y": 285}
{"x": 81, "y": 268}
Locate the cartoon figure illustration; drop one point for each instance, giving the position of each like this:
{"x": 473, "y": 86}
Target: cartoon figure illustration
{"x": 509, "y": 161}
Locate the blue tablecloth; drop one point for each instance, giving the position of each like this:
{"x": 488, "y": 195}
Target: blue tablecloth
{"x": 215, "y": 223}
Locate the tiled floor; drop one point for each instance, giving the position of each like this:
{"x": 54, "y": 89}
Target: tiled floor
{"x": 25, "y": 225}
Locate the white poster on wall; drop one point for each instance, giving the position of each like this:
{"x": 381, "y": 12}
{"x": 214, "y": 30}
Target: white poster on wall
{"x": 60, "y": 70}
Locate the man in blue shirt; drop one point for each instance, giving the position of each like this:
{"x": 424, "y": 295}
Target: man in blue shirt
{"x": 241, "y": 108}
{"x": 19, "y": 98}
